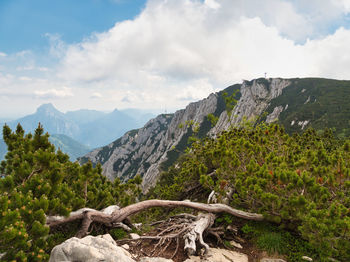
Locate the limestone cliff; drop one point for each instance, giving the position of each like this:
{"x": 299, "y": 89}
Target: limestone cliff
{"x": 142, "y": 151}
{"x": 158, "y": 144}
{"x": 255, "y": 98}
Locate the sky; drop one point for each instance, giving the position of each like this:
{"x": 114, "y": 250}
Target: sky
{"x": 160, "y": 54}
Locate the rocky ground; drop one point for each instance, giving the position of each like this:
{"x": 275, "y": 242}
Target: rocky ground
{"x": 136, "y": 249}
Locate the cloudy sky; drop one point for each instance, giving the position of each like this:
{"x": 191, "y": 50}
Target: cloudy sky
{"x": 160, "y": 54}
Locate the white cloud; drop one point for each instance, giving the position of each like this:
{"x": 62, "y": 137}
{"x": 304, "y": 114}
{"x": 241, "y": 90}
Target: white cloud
{"x": 177, "y": 51}
{"x": 343, "y": 4}
{"x": 25, "y": 78}
{"x": 96, "y": 95}
{"x": 212, "y": 4}
{"x": 31, "y": 67}
{"x": 43, "y": 69}
{"x": 2, "y": 54}
{"x": 57, "y": 46}
{"x": 25, "y": 68}
{"x": 23, "y": 53}
{"x": 172, "y": 46}
{"x": 64, "y": 92}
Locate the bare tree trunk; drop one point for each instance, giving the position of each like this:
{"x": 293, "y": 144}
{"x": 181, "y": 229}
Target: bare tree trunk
{"x": 203, "y": 222}
{"x": 113, "y": 216}
{"x": 119, "y": 215}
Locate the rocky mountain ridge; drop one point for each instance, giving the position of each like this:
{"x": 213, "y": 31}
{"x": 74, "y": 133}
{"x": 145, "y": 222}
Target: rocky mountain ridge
{"x": 141, "y": 151}
{"x": 295, "y": 103}
{"x": 163, "y": 138}
{"x": 89, "y": 127}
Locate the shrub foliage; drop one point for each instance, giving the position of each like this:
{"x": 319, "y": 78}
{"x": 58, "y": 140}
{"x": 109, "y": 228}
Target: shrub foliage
{"x": 301, "y": 182}
{"x": 38, "y": 181}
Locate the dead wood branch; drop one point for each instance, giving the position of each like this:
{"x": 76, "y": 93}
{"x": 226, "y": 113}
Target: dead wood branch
{"x": 115, "y": 215}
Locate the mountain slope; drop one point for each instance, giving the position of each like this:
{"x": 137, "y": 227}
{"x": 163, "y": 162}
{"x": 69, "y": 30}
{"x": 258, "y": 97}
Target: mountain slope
{"x": 317, "y": 103}
{"x": 107, "y": 128}
{"x": 89, "y": 127}
{"x": 53, "y": 121}
{"x": 84, "y": 116}
{"x": 69, "y": 146}
{"x": 3, "y": 149}
{"x": 158, "y": 144}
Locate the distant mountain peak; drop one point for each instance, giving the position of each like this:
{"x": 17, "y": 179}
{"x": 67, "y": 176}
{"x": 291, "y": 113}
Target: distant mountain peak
{"x": 47, "y": 108}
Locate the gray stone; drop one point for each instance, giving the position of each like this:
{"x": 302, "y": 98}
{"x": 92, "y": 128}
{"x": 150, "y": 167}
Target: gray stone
{"x": 266, "y": 259}
{"x": 90, "y": 249}
{"x": 235, "y": 244}
{"x": 220, "y": 255}
{"x": 306, "y": 258}
{"x": 155, "y": 259}
{"x": 255, "y": 98}
{"x": 134, "y": 236}
{"x": 126, "y": 246}
{"x": 274, "y": 115}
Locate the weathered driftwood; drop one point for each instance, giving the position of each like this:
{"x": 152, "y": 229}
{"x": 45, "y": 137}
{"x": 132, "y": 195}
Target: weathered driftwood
{"x": 192, "y": 231}
{"x": 203, "y": 222}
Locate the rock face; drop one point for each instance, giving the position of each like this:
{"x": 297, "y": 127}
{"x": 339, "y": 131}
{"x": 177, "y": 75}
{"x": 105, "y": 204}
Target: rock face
{"x": 90, "y": 249}
{"x": 220, "y": 255}
{"x": 157, "y": 145}
{"x": 255, "y": 98}
{"x": 155, "y": 259}
{"x": 104, "y": 248}
{"x": 142, "y": 151}
{"x": 145, "y": 150}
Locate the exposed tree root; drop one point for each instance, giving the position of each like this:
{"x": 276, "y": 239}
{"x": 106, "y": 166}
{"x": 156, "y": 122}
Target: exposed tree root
{"x": 186, "y": 226}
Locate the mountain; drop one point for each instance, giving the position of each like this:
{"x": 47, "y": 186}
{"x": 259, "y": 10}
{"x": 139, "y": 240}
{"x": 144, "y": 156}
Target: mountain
{"x": 140, "y": 116}
{"x": 53, "y": 121}
{"x": 69, "y": 146}
{"x": 3, "y": 149}
{"x": 88, "y": 127}
{"x": 84, "y": 116}
{"x": 107, "y": 128}
{"x": 295, "y": 103}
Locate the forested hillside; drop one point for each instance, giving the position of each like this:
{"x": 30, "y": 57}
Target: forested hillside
{"x": 296, "y": 184}
{"x": 299, "y": 183}
{"x": 297, "y": 104}
{"x": 38, "y": 182}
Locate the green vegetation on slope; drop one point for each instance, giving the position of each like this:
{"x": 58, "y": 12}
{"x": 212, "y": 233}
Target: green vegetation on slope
{"x": 226, "y": 101}
{"x": 3, "y": 149}
{"x": 301, "y": 182}
{"x": 323, "y": 102}
{"x": 36, "y": 182}
{"x": 69, "y": 146}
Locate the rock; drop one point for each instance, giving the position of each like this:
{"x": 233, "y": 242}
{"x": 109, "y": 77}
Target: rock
{"x": 274, "y": 115}
{"x": 220, "y": 255}
{"x": 90, "y": 249}
{"x": 155, "y": 259}
{"x": 239, "y": 239}
{"x": 306, "y": 258}
{"x": 255, "y": 98}
{"x": 126, "y": 246}
{"x": 137, "y": 225}
{"x": 233, "y": 229}
{"x": 134, "y": 236}
{"x": 266, "y": 259}
{"x": 143, "y": 151}
{"x": 235, "y": 244}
